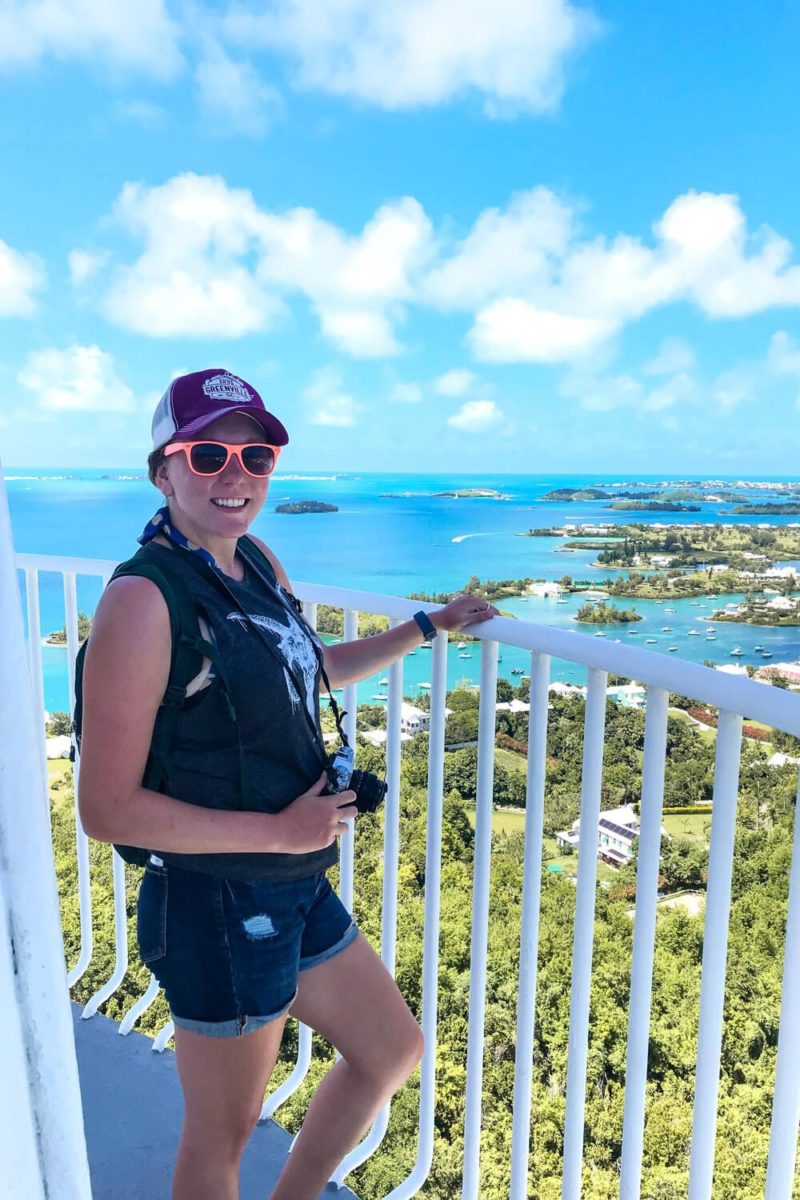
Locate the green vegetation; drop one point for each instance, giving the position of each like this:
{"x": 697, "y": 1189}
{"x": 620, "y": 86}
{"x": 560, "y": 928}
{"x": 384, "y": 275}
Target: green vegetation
{"x": 606, "y": 614}
{"x": 765, "y": 815}
{"x": 766, "y": 510}
{"x": 488, "y": 589}
{"x": 331, "y": 621}
{"x": 306, "y": 506}
{"x": 472, "y": 494}
{"x": 568, "y": 494}
{"x": 59, "y": 725}
{"x": 654, "y": 506}
{"x": 691, "y": 545}
{"x": 59, "y": 636}
{"x": 756, "y": 612}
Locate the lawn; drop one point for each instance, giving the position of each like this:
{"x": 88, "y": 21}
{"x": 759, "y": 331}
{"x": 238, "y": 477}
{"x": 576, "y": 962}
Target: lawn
{"x": 696, "y": 827}
{"x": 514, "y": 822}
{"x": 707, "y": 734}
{"x": 59, "y": 773}
{"x": 510, "y": 760}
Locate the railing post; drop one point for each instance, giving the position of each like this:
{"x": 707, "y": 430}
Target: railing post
{"x": 644, "y": 934}
{"x": 430, "y": 954}
{"x": 391, "y": 861}
{"x": 350, "y": 706}
{"x": 81, "y": 840}
{"x": 529, "y": 927}
{"x": 591, "y": 784}
{"x": 34, "y": 995}
{"x": 786, "y": 1099}
{"x": 480, "y": 922}
{"x": 715, "y": 947}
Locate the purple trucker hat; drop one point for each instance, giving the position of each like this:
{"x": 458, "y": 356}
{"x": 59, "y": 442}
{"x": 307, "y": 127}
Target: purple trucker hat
{"x": 193, "y": 402}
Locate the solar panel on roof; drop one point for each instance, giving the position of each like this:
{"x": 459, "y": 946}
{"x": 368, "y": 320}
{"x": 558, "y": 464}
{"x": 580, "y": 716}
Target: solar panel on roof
{"x": 620, "y": 830}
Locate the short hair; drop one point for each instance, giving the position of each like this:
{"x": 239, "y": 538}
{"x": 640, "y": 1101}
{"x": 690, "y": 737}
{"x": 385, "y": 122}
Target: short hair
{"x": 154, "y": 461}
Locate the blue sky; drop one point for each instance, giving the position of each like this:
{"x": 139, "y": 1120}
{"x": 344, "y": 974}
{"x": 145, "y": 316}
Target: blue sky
{"x": 436, "y": 234}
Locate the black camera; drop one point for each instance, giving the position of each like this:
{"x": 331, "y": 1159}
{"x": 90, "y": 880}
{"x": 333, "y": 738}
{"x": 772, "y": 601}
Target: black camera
{"x": 369, "y": 789}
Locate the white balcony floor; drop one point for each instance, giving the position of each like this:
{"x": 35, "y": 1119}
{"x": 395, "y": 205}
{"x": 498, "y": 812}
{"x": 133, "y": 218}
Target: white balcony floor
{"x": 132, "y": 1110}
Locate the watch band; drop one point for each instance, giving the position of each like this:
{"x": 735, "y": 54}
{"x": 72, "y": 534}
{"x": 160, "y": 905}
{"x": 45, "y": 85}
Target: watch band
{"x": 427, "y": 626}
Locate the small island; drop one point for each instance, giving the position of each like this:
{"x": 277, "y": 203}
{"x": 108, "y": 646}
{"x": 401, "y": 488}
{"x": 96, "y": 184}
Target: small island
{"x": 306, "y": 506}
{"x": 606, "y": 614}
{"x": 790, "y": 509}
{"x": 59, "y": 636}
{"x": 471, "y": 494}
{"x": 569, "y": 494}
{"x": 653, "y": 506}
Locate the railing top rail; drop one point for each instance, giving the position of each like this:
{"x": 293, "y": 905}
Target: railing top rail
{"x": 63, "y": 563}
{"x": 772, "y": 706}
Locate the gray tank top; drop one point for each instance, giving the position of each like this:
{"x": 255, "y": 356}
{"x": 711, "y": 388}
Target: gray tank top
{"x": 281, "y": 757}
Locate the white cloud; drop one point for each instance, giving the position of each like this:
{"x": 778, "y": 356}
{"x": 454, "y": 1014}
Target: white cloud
{"x": 408, "y": 53}
{"x": 454, "y": 383}
{"x": 189, "y": 280}
{"x": 783, "y": 358}
{"x": 214, "y": 263}
{"x": 476, "y": 416}
{"x": 362, "y": 333}
{"x": 736, "y": 386}
{"x": 138, "y": 36}
{"x": 406, "y": 393}
{"x": 532, "y": 260}
{"x": 512, "y": 251}
{"x": 21, "y": 275}
{"x": 673, "y": 355}
{"x": 705, "y": 237}
{"x": 234, "y": 95}
{"x": 83, "y": 264}
{"x": 783, "y": 355}
{"x": 78, "y": 379}
{"x": 329, "y": 404}
{"x": 141, "y": 112}
{"x": 512, "y": 330}
{"x": 604, "y": 393}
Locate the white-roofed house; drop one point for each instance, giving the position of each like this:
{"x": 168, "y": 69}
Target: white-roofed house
{"x": 617, "y": 830}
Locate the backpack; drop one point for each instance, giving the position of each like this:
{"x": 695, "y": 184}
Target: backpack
{"x": 189, "y": 648}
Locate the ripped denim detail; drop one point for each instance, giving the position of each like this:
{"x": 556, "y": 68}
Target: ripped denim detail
{"x": 259, "y": 926}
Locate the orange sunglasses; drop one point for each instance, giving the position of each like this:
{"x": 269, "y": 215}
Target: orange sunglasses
{"x": 211, "y": 458}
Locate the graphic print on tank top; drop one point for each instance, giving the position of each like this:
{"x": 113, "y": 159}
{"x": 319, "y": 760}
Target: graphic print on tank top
{"x": 294, "y": 645}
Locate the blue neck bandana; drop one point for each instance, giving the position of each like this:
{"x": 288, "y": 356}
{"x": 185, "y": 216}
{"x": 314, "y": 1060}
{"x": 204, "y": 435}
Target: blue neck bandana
{"x": 161, "y": 523}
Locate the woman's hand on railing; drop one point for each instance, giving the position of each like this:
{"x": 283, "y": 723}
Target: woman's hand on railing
{"x": 464, "y": 610}
{"x": 313, "y": 820}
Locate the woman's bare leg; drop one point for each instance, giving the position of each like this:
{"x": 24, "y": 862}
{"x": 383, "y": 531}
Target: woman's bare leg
{"x": 224, "y": 1080}
{"x": 352, "y": 1000}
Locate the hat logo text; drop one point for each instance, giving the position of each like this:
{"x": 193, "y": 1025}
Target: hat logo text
{"x": 228, "y": 388}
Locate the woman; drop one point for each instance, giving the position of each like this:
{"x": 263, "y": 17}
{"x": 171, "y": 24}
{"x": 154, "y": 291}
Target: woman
{"x": 236, "y": 917}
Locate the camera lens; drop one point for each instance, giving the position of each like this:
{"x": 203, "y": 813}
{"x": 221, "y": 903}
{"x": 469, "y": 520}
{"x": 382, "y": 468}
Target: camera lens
{"x": 369, "y": 790}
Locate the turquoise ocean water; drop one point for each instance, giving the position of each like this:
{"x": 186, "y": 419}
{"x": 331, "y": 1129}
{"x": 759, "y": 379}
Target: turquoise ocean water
{"x": 391, "y": 535}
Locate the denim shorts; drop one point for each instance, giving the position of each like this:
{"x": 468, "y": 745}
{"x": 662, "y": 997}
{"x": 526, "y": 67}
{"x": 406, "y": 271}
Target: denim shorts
{"x": 228, "y": 953}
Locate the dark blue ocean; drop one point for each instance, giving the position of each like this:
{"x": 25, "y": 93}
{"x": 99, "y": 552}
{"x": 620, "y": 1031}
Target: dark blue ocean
{"x": 393, "y": 535}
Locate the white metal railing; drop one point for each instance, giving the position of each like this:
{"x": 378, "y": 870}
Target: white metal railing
{"x": 734, "y": 697}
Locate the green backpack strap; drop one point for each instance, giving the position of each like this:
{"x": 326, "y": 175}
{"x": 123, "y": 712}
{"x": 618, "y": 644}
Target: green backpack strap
{"x": 187, "y": 654}
{"x": 189, "y": 648}
{"x": 256, "y": 557}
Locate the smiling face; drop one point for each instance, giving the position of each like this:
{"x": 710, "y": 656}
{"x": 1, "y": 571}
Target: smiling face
{"x": 203, "y": 507}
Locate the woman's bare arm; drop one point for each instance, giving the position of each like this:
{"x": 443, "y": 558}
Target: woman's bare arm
{"x": 125, "y": 676}
{"x": 349, "y": 662}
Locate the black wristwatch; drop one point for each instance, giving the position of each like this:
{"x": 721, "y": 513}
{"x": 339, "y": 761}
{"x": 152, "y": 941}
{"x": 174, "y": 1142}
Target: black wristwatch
{"x": 427, "y": 626}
